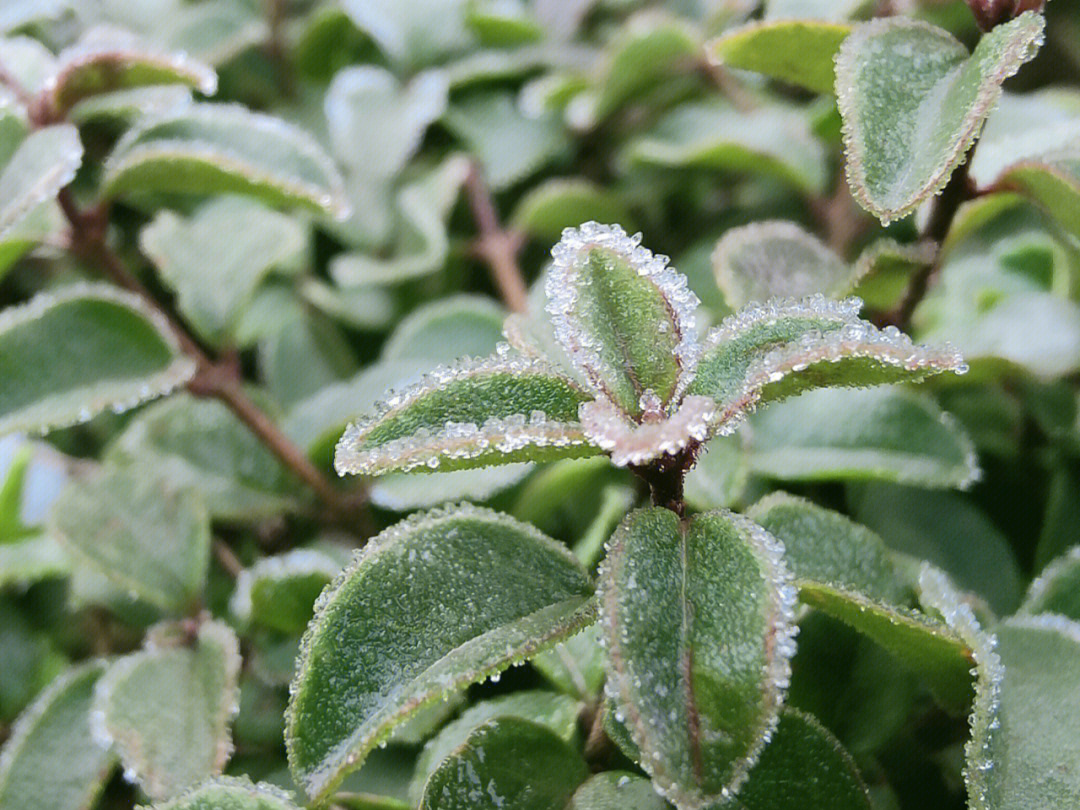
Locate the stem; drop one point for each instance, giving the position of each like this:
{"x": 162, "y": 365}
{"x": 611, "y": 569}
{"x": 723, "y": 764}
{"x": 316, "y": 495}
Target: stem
{"x": 227, "y": 558}
{"x": 665, "y": 478}
{"x": 498, "y": 247}
{"x": 275, "y": 45}
{"x": 597, "y": 744}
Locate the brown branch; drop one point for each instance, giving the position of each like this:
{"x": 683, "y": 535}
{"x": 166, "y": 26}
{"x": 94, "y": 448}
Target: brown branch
{"x": 227, "y": 558}
{"x": 276, "y": 48}
{"x": 496, "y": 246}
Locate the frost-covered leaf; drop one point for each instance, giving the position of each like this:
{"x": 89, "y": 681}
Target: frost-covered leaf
{"x": 279, "y": 592}
{"x": 221, "y": 148}
{"x": 776, "y": 259}
{"x": 831, "y": 10}
{"x": 506, "y": 763}
{"x": 887, "y": 434}
{"x": 771, "y": 351}
{"x": 576, "y": 665}
{"x": 484, "y": 592}
{"x": 443, "y": 331}
{"x": 50, "y": 759}
{"x": 166, "y": 709}
{"x": 720, "y": 477}
{"x": 67, "y": 355}
{"x": 107, "y": 58}
{"x": 29, "y": 62}
{"x": 119, "y": 109}
{"x": 804, "y": 766}
{"x": 509, "y": 145}
{"x": 1023, "y": 755}
{"x": 143, "y": 532}
{"x": 773, "y": 140}
{"x": 798, "y": 51}
{"x": 43, "y": 163}
{"x": 20, "y": 13}
{"x": 246, "y": 241}
{"x": 554, "y": 205}
{"x": 230, "y": 793}
{"x": 302, "y": 353}
{"x": 913, "y": 100}
{"x": 376, "y": 123}
{"x": 32, "y": 559}
{"x": 615, "y": 790}
{"x": 404, "y": 492}
{"x": 826, "y": 547}
{"x": 1051, "y": 180}
{"x": 624, "y": 317}
{"x": 556, "y": 712}
{"x": 885, "y": 268}
{"x": 409, "y": 33}
{"x": 698, "y": 622}
{"x": 472, "y": 414}
{"x": 1055, "y": 590}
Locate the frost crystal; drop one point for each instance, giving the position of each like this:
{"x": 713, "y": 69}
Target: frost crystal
{"x": 632, "y": 444}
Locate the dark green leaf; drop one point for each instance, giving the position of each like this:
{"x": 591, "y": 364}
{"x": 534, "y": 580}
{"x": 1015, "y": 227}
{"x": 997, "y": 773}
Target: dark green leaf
{"x": 279, "y": 592}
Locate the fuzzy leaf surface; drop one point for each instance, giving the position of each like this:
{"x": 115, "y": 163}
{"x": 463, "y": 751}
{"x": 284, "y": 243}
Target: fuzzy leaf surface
{"x": 35, "y": 171}
{"x": 615, "y": 790}
{"x": 506, "y": 763}
{"x": 799, "y": 52}
{"x": 698, "y": 625}
{"x": 229, "y": 793}
{"x": 167, "y": 708}
{"x": 66, "y": 356}
{"x": 50, "y": 760}
{"x": 913, "y": 100}
{"x": 279, "y": 592}
{"x": 473, "y": 414}
{"x": 221, "y": 148}
{"x": 484, "y": 592}
{"x": 1057, "y": 588}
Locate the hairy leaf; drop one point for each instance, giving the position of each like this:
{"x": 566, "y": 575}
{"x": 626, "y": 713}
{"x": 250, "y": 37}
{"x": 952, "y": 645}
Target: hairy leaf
{"x": 888, "y": 434}
{"x": 885, "y": 268}
{"x": 221, "y": 148}
{"x": 50, "y": 759}
{"x": 484, "y": 592}
{"x": 68, "y": 355}
{"x": 507, "y": 763}
{"x": 229, "y": 793}
{"x": 473, "y": 414}
{"x": 106, "y": 59}
{"x": 279, "y": 592}
{"x": 803, "y": 766}
{"x": 798, "y": 52}
{"x": 166, "y": 709}
{"x": 913, "y": 101}
{"x": 42, "y": 164}
{"x": 1057, "y": 588}
{"x": 616, "y": 790}
{"x": 140, "y": 530}
{"x": 697, "y": 619}
{"x": 776, "y": 259}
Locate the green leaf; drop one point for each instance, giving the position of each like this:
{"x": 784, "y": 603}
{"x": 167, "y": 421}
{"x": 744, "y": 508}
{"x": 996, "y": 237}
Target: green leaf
{"x": 506, "y": 763}
{"x": 50, "y": 759}
{"x": 616, "y": 790}
{"x": 443, "y": 331}
{"x": 576, "y": 666}
{"x": 66, "y": 356}
{"x": 229, "y": 793}
{"x": 223, "y": 148}
{"x": 140, "y": 530}
{"x": 32, "y": 559}
{"x": 799, "y": 52}
{"x": 885, "y": 269}
{"x": 484, "y": 592}
{"x": 777, "y": 259}
{"x": 195, "y": 675}
{"x": 553, "y": 205}
{"x": 501, "y": 24}
{"x": 246, "y": 240}
{"x": 404, "y": 492}
{"x": 803, "y": 766}
{"x": 641, "y": 58}
{"x": 201, "y": 444}
{"x": 43, "y": 163}
{"x": 720, "y": 477}
{"x": 279, "y": 592}
{"x": 949, "y": 531}
{"x": 557, "y": 713}
{"x": 775, "y": 350}
{"x": 119, "y": 109}
{"x": 698, "y": 621}
{"x": 107, "y": 59}
{"x": 832, "y": 10}
{"x": 1052, "y": 181}
{"x": 1027, "y": 759}
{"x": 410, "y": 34}
{"x": 472, "y": 414}
{"x": 1055, "y": 590}
{"x": 626, "y": 319}
{"x": 773, "y": 140}
{"x": 888, "y": 434}
{"x": 826, "y": 547}
{"x": 893, "y": 76}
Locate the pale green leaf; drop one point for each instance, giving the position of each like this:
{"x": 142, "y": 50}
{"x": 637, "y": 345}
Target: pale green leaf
{"x": 119, "y": 109}
{"x": 796, "y": 51}
{"x": 576, "y": 666}
{"x": 616, "y": 790}
{"x": 887, "y": 434}
{"x": 642, "y": 57}
{"x": 506, "y": 764}
{"x": 913, "y": 102}
{"x": 279, "y": 592}
{"x": 484, "y": 592}
{"x": 698, "y": 621}
{"x": 412, "y": 34}
{"x": 777, "y": 259}
{"x": 472, "y": 414}
{"x": 42, "y": 164}
{"x": 1055, "y": 590}
{"x": 885, "y": 269}
{"x": 140, "y": 530}
{"x": 302, "y": 353}
{"x": 443, "y": 331}
{"x": 553, "y": 205}
{"x": 558, "y": 713}
{"x": 1052, "y": 181}
{"x": 220, "y": 148}
{"x": 721, "y": 475}
{"x": 832, "y": 10}
{"x": 229, "y": 793}
{"x": 166, "y": 709}
{"x": 51, "y": 760}
{"x": 246, "y": 242}
{"x": 404, "y": 492}
{"x": 32, "y": 559}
